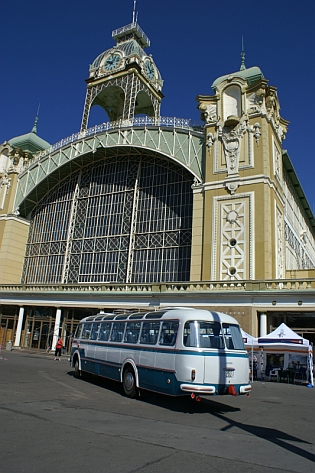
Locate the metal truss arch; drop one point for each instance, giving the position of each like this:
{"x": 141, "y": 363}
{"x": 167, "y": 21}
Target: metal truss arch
{"x": 183, "y": 146}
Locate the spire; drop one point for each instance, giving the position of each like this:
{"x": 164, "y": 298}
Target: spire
{"x": 34, "y": 129}
{"x": 134, "y": 15}
{"x": 243, "y": 67}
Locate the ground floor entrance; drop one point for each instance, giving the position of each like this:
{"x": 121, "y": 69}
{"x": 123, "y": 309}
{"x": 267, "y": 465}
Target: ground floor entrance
{"x": 37, "y": 327}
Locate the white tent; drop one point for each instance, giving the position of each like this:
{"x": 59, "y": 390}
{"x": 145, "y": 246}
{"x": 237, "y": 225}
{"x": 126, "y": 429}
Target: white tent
{"x": 283, "y": 334}
{"x": 281, "y": 349}
{"x": 249, "y": 340}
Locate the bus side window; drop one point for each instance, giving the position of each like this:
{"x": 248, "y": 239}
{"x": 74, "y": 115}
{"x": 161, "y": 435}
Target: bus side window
{"x": 150, "y": 332}
{"x": 117, "y": 332}
{"x": 86, "y": 331}
{"x": 78, "y": 331}
{"x": 132, "y": 332}
{"x": 94, "y": 331}
{"x": 104, "y": 331}
{"x": 169, "y": 333}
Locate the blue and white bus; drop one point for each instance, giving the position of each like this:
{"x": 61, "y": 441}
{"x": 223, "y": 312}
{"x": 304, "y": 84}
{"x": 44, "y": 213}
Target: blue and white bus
{"x": 175, "y": 351}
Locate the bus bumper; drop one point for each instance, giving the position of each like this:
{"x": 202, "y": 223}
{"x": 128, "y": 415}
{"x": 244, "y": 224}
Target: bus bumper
{"x": 245, "y": 389}
{"x": 195, "y": 388}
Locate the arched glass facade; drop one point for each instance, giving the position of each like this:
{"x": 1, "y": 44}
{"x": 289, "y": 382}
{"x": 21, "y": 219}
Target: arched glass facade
{"x": 124, "y": 219}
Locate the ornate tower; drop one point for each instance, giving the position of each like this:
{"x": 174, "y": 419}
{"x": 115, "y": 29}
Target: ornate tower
{"x": 124, "y": 80}
{"x": 244, "y": 188}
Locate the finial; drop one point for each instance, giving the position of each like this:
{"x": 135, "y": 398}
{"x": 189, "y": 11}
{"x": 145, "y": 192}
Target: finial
{"x": 34, "y": 129}
{"x": 134, "y": 18}
{"x": 243, "y": 67}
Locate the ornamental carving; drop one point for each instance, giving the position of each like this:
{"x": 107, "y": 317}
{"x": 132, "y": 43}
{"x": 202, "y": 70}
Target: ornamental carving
{"x": 209, "y": 113}
{"x": 211, "y": 137}
{"x": 231, "y": 139}
{"x": 256, "y": 101}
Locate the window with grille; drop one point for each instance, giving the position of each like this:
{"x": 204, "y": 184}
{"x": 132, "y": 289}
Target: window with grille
{"x": 124, "y": 219}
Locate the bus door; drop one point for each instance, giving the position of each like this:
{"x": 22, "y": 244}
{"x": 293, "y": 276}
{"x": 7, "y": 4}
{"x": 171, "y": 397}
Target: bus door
{"x": 164, "y": 375}
{"x": 87, "y": 348}
{"x": 148, "y": 340}
{"x": 101, "y": 349}
{"x": 211, "y": 340}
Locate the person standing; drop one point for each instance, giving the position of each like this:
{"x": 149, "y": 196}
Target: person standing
{"x": 59, "y": 346}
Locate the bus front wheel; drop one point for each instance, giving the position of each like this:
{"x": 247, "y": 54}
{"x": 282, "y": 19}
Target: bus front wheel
{"x": 129, "y": 382}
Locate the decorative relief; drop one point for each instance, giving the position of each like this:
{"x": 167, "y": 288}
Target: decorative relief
{"x": 211, "y": 137}
{"x": 256, "y": 132}
{"x": 280, "y": 269}
{"x": 5, "y": 184}
{"x": 233, "y": 241}
{"x": 232, "y": 249}
{"x": 231, "y": 139}
{"x": 256, "y": 102}
{"x": 273, "y": 114}
{"x": 277, "y": 161}
{"x": 209, "y": 114}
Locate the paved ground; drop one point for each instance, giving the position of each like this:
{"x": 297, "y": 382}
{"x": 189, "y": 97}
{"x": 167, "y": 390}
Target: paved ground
{"x": 51, "y": 421}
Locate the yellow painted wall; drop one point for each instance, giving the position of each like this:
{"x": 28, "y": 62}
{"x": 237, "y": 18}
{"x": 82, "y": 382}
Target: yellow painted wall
{"x": 197, "y": 237}
{"x": 13, "y": 234}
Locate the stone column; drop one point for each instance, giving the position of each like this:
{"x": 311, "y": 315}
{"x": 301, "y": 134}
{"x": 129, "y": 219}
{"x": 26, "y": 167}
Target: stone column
{"x": 19, "y": 328}
{"x": 56, "y": 328}
{"x": 262, "y": 325}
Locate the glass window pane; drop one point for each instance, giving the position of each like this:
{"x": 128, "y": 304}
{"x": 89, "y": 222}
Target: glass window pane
{"x": 86, "y": 331}
{"x": 203, "y": 334}
{"x": 117, "y": 332}
{"x": 132, "y": 332}
{"x": 104, "y": 332}
{"x": 169, "y": 333}
{"x": 150, "y": 332}
{"x": 94, "y": 331}
{"x": 233, "y": 337}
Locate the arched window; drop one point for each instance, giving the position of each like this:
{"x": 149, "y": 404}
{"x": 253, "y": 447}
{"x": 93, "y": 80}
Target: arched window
{"x": 125, "y": 219}
{"x": 232, "y": 101}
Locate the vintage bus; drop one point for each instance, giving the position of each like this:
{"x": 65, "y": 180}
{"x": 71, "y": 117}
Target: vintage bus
{"x": 175, "y": 351}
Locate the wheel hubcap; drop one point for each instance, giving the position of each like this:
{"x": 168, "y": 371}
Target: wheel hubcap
{"x": 129, "y": 381}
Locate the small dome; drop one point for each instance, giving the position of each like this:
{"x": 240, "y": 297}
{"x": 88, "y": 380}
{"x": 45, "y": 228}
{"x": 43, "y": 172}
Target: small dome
{"x": 30, "y": 142}
{"x": 252, "y": 75}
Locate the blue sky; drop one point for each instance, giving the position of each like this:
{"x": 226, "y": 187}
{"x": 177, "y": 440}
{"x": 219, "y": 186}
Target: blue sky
{"x": 47, "y": 47}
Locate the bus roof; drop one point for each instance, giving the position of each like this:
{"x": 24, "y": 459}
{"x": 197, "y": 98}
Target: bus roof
{"x": 182, "y": 313}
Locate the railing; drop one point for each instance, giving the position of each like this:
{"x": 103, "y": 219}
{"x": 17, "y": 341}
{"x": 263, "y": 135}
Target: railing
{"x": 224, "y": 286}
{"x": 131, "y": 27}
{"x": 173, "y": 122}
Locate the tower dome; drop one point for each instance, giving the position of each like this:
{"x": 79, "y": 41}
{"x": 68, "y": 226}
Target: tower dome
{"x": 120, "y": 56}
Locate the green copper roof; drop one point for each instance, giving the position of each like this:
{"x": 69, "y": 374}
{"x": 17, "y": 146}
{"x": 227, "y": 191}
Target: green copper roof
{"x": 127, "y": 48}
{"x": 252, "y": 75}
{"x": 30, "y": 142}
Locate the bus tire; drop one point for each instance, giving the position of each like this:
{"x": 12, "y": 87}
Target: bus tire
{"x": 129, "y": 382}
{"x": 77, "y": 372}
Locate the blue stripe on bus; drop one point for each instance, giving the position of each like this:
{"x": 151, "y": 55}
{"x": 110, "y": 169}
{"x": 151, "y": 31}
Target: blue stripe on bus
{"x": 155, "y": 379}
{"x": 170, "y": 350}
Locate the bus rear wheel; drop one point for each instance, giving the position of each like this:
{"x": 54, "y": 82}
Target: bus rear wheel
{"x": 77, "y": 372}
{"x": 129, "y": 383}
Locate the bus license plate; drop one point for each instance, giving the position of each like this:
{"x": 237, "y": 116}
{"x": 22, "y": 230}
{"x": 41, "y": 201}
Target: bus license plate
{"x": 229, "y": 374}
